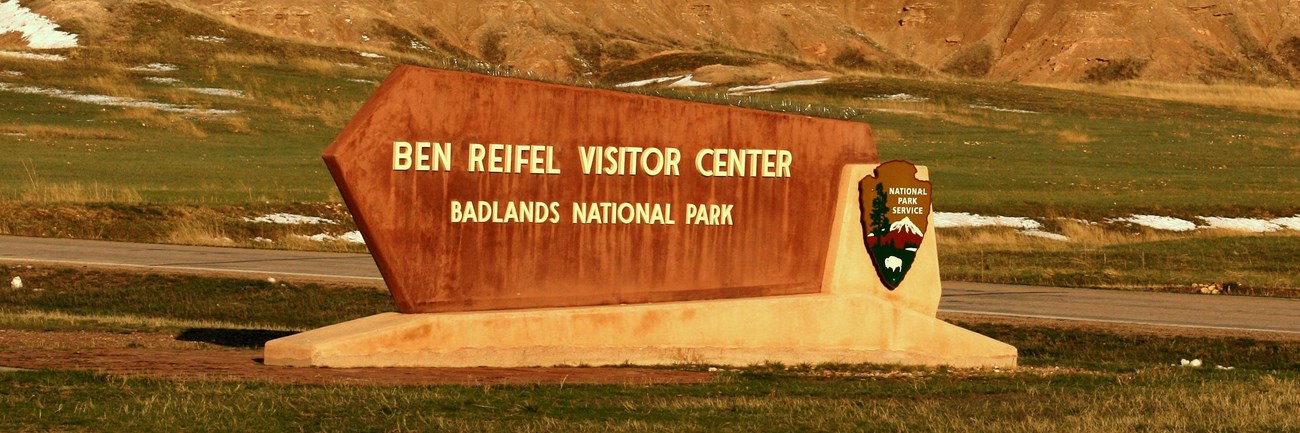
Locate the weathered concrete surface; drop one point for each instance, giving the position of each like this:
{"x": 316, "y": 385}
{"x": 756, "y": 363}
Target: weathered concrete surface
{"x": 790, "y": 329}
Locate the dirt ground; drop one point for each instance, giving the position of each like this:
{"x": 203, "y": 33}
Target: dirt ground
{"x": 166, "y": 356}
{"x": 161, "y": 355}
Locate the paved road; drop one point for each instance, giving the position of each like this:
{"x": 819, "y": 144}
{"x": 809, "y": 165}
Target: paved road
{"x": 1166, "y": 309}
{"x": 343, "y": 267}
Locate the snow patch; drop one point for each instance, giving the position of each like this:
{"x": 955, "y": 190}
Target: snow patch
{"x": 114, "y": 101}
{"x": 1292, "y": 223}
{"x": 262, "y": 240}
{"x": 417, "y": 45}
{"x": 39, "y": 32}
{"x": 1242, "y": 224}
{"x": 370, "y": 55}
{"x": 1158, "y": 222}
{"x": 945, "y": 220}
{"x": 155, "y": 67}
{"x": 163, "y": 80}
{"x": 650, "y": 81}
{"x": 348, "y": 65}
{"x": 897, "y": 97}
{"x": 288, "y": 218}
{"x": 363, "y": 81}
{"x": 1044, "y": 235}
{"x": 349, "y": 237}
{"x": 11, "y": 73}
{"x": 1002, "y": 110}
{"x": 353, "y": 237}
{"x": 33, "y": 56}
{"x": 688, "y": 82}
{"x": 893, "y": 111}
{"x": 207, "y": 38}
{"x": 743, "y": 90}
{"x": 214, "y": 91}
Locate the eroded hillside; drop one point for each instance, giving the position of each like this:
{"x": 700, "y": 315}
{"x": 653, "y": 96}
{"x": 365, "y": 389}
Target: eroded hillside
{"x": 1256, "y": 41}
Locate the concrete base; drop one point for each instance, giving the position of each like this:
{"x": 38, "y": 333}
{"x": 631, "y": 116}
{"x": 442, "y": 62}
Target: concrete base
{"x": 854, "y": 319}
{"x": 816, "y": 328}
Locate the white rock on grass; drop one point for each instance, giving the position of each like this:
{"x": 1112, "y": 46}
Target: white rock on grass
{"x": 1159, "y": 222}
{"x": 16, "y": 283}
{"x": 1241, "y": 224}
{"x": 38, "y": 31}
{"x": 288, "y": 218}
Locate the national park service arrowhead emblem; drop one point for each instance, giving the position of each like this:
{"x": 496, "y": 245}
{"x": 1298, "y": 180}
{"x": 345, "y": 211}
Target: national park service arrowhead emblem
{"x": 895, "y": 214}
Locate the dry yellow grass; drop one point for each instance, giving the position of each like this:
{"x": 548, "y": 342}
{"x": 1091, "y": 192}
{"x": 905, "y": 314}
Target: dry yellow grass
{"x": 155, "y": 119}
{"x": 39, "y": 192}
{"x": 1074, "y": 137}
{"x": 331, "y": 113}
{"x": 247, "y": 59}
{"x": 11, "y": 318}
{"x": 1082, "y": 235}
{"x": 316, "y": 64}
{"x": 1274, "y": 98}
{"x": 195, "y": 232}
{"x": 303, "y": 243}
{"x": 112, "y": 85}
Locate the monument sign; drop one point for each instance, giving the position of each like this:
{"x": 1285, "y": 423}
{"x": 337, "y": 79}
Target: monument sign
{"x": 482, "y": 193}
{"x": 525, "y": 223}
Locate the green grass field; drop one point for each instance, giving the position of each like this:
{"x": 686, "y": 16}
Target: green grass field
{"x": 1072, "y": 379}
{"x": 77, "y": 169}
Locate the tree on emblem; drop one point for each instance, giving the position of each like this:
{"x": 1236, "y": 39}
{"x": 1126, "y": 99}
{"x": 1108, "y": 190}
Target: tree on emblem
{"x": 880, "y": 207}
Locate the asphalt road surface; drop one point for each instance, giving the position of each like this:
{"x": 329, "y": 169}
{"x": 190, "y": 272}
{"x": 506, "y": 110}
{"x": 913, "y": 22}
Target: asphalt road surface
{"x": 1162, "y": 309}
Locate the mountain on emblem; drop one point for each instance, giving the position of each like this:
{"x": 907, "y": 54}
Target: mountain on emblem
{"x": 895, "y": 214}
{"x": 906, "y": 226}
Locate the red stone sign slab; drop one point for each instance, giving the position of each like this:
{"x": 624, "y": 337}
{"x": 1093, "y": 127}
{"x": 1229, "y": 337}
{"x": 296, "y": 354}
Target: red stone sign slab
{"x": 483, "y": 193}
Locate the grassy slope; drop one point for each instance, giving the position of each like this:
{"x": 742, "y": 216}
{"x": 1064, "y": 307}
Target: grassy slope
{"x": 1161, "y": 400}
